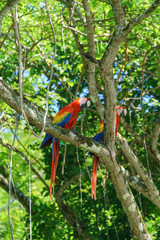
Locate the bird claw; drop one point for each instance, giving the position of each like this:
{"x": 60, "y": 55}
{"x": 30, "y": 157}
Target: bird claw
{"x": 74, "y": 131}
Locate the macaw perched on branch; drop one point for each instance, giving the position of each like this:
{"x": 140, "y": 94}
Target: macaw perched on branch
{"x": 65, "y": 118}
{"x": 120, "y": 111}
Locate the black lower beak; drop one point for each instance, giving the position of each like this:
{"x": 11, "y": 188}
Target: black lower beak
{"x": 84, "y": 105}
{"x": 122, "y": 114}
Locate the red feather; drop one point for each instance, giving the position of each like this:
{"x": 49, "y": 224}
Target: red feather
{"x": 55, "y": 156}
{"x": 96, "y": 159}
{"x": 94, "y": 176}
{"x": 65, "y": 118}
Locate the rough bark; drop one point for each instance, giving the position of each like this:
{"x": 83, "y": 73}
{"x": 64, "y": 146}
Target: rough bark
{"x": 121, "y": 31}
{"x": 35, "y": 116}
{"x": 151, "y": 189}
{"x": 91, "y": 66}
{"x": 154, "y": 142}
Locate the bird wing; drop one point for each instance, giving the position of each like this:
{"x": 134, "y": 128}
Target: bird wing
{"x": 62, "y": 118}
{"x": 99, "y": 133}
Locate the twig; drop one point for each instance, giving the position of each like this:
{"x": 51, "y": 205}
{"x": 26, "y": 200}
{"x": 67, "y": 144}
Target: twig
{"x": 143, "y": 113}
{"x": 10, "y": 178}
{"x": 109, "y": 206}
{"x": 80, "y": 182}
{"x": 5, "y": 9}
{"x": 23, "y": 156}
{"x": 64, "y": 158}
{"x": 3, "y": 208}
{"x": 6, "y": 35}
{"x": 84, "y": 152}
{"x": 79, "y": 82}
{"x": 71, "y": 14}
{"x": 15, "y": 19}
{"x": 30, "y": 195}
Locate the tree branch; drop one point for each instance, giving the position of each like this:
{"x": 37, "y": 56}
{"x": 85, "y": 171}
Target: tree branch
{"x": 152, "y": 151}
{"x": 152, "y": 190}
{"x": 118, "y": 13}
{"x": 154, "y": 142}
{"x": 135, "y": 21}
{"x": 121, "y": 33}
{"x": 67, "y": 212}
{"x": 16, "y": 193}
{"x": 90, "y": 29}
{"x": 8, "y": 146}
{"x": 35, "y": 117}
{"x": 5, "y": 9}
{"x": 90, "y": 65}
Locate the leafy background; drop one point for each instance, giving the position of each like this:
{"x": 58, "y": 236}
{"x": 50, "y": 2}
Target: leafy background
{"x": 136, "y": 73}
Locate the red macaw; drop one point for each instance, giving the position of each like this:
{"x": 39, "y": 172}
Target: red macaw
{"x": 65, "y": 118}
{"x": 120, "y": 111}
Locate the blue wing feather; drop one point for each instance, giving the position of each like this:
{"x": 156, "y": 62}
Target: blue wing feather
{"x": 65, "y": 120}
{"x": 98, "y": 137}
{"x": 48, "y": 138}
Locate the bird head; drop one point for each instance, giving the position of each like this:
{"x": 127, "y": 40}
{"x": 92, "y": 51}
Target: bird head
{"x": 121, "y": 111}
{"x": 84, "y": 102}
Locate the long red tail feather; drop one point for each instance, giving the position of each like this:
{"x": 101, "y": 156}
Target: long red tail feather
{"x": 55, "y": 156}
{"x": 94, "y": 176}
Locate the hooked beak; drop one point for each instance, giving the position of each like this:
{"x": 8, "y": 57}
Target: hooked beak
{"x": 123, "y": 113}
{"x": 86, "y": 104}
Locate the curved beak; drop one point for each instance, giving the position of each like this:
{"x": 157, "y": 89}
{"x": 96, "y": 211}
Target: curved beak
{"x": 86, "y": 104}
{"x": 123, "y": 113}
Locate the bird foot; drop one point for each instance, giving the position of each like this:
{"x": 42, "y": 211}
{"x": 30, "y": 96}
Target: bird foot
{"x": 74, "y": 131}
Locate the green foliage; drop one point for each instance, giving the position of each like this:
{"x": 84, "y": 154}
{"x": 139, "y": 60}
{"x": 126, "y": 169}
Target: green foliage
{"x": 136, "y": 73}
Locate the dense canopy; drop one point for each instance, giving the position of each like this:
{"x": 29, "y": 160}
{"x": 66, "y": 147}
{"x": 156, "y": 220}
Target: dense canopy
{"x": 52, "y": 52}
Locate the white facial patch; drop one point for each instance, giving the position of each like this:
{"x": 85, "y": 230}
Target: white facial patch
{"x": 88, "y": 103}
{"x": 84, "y": 101}
{"x": 119, "y": 111}
{"x": 125, "y": 112}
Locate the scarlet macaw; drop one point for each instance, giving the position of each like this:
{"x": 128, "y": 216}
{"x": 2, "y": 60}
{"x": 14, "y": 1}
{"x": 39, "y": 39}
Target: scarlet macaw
{"x": 120, "y": 111}
{"x": 65, "y": 118}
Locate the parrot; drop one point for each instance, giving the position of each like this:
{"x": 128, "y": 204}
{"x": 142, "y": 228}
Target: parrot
{"x": 65, "y": 118}
{"x": 120, "y": 111}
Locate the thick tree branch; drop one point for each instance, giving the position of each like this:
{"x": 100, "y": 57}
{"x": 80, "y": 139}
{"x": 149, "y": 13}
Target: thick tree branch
{"x": 35, "y": 117}
{"x": 90, "y": 29}
{"x": 138, "y": 185}
{"x": 152, "y": 190}
{"x": 90, "y": 65}
{"x": 118, "y": 13}
{"x": 120, "y": 34}
{"x": 137, "y": 20}
{"x": 154, "y": 142}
